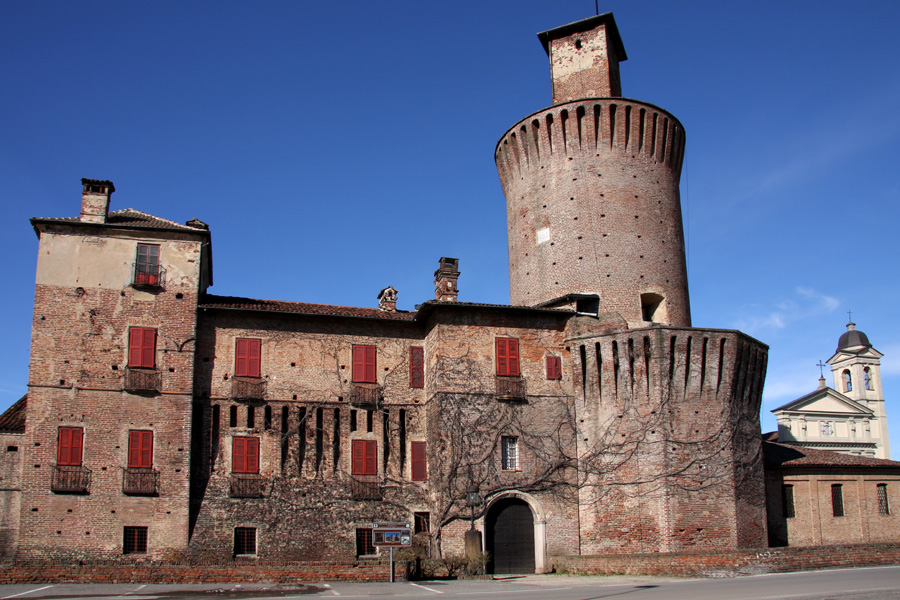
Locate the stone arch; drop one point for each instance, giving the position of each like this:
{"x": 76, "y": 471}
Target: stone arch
{"x": 540, "y": 524}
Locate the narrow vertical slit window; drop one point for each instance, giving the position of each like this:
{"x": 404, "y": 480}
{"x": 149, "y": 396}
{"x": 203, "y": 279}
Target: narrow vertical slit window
{"x": 336, "y": 440}
{"x": 787, "y": 501}
{"x": 884, "y": 508}
{"x": 837, "y": 500}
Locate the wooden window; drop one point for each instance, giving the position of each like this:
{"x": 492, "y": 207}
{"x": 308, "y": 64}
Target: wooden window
{"x": 246, "y": 357}
{"x": 554, "y": 367}
{"x": 134, "y": 540}
{"x": 508, "y": 357}
{"x": 146, "y": 269}
{"x": 244, "y": 541}
{"x": 364, "y": 364}
{"x": 884, "y": 508}
{"x": 364, "y": 545}
{"x": 421, "y": 522}
{"x": 71, "y": 441}
{"x": 364, "y": 457}
{"x": 419, "y": 461}
{"x": 142, "y": 347}
{"x": 837, "y": 500}
{"x": 509, "y": 453}
{"x": 245, "y": 455}
{"x": 787, "y": 501}
{"x": 140, "y": 449}
{"x": 417, "y": 367}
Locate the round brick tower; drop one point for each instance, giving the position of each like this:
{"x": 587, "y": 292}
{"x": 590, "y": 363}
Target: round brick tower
{"x": 591, "y": 185}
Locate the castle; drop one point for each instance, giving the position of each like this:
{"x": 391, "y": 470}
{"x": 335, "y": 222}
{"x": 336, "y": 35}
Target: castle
{"x": 588, "y": 416}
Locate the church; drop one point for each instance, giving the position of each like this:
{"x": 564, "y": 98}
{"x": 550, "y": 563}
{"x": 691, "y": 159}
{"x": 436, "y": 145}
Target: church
{"x": 588, "y": 416}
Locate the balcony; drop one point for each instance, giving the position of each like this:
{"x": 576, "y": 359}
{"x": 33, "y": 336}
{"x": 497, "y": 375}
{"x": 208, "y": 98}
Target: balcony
{"x": 141, "y": 380}
{"x": 70, "y": 479}
{"x": 144, "y": 276}
{"x": 140, "y": 482}
{"x": 246, "y": 485}
{"x": 366, "y": 395}
{"x": 510, "y": 389}
{"x": 366, "y": 488}
{"x": 248, "y": 388}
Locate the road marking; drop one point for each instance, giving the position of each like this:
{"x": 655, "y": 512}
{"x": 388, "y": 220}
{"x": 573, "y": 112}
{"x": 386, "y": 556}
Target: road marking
{"x": 333, "y": 591}
{"x": 514, "y": 591}
{"x": 28, "y": 592}
{"x": 137, "y": 589}
{"x": 426, "y": 588}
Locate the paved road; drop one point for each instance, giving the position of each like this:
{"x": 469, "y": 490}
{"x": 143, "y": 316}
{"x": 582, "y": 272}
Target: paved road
{"x": 877, "y": 583}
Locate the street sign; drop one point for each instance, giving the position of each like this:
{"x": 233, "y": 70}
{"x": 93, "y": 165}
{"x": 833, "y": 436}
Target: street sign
{"x": 391, "y": 534}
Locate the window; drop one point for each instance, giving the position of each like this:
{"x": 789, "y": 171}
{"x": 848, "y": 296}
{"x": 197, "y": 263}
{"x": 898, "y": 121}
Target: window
{"x": 419, "y": 461}
{"x": 140, "y": 449}
{"x": 246, "y": 357}
{"x": 421, "y": 522}
{"x": 837, "y": 500}
{"x": 867, "y": 379}
{"x": 142, "y": 347}
{"x": 509, "y": 450}
{"x": 417, "y": 367}
{"x": 848, "y": 382}
{"x": 364, "y": 545}
{"x": 244, "y": 541}
{"x": 554, "y": 367}
{"x": 70, "y": 446}
{"x": 508, "y": 357}
{"x": 653, "y": 308}
{"x": 134, "y": 540}
{"x": 883, "y": 507}
{"x": 364, "y": 364}
{"x": 245, "y": 455}
{"x": 787, "y": 501}
{"x": 146, "y": 268}
{"x": 364, "y": 457}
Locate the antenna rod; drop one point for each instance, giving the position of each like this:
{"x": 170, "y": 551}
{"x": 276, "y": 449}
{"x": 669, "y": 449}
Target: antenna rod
{"x": 597, "y": 6}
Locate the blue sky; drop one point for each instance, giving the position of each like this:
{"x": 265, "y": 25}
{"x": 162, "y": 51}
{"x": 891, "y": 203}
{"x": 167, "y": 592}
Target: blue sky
{"x": 337, "y": 148}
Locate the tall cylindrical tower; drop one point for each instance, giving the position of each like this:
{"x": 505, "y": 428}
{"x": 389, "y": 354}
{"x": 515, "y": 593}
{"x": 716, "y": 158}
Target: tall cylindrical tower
{"x": 591, "y": 185}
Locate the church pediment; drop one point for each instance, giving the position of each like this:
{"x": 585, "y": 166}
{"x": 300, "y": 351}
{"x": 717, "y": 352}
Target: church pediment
{"x": 824, "y": 402}
{"x": 847, "y": 354}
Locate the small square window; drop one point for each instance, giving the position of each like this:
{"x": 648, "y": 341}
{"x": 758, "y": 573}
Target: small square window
{"x": 244, "y": 541}
{"x": 509, "y": 453}
{"x": 364, "y": 545}
{"x": 134, "y": 540}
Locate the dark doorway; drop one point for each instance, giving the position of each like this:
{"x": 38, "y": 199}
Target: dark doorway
{"x": 509, "y": 529}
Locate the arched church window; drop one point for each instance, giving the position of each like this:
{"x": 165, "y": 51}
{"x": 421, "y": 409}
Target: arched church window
{"x": 848, "y": 382}
{"x": 867, "y": 379}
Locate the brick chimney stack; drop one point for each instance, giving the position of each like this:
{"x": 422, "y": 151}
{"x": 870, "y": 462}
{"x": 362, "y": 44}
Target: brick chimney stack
{"x": 387, "y": 299}
{"x": 95, "y": 200}
{"x": 445, "y": 279}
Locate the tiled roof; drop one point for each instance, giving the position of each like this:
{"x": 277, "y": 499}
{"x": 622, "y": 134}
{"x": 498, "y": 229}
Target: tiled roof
{"x": 129, "y": 217}
{"x": 784, "y": 455}
{"x": 485, "y": 305}
{"x": 13, "y": 419}
{"x": 305, "y": 308}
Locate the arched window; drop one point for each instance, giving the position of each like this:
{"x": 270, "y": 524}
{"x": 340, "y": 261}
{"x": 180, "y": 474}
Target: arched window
{"x": 848, "y": 382}
{"x": 867, "y": 379}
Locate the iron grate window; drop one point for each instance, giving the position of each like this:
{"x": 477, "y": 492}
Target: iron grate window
{"x": 884, "y": 507}
{"x": 134, "y": 540}
{"x": 244, "y": 540}
{"x": 787, "y": 501}
{"x": 364, "y": 545}
{"x": 509, "y": 447}
{"x": 837, "y": 500}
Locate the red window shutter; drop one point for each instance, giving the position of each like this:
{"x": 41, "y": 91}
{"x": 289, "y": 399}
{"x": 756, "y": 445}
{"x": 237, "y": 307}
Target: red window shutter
{"x": 554, "y": 367}
{"x": 416, "y": 367}
{"x": 419, "y": 461}
{"x": 140, "y": 449}
{"x": 508, "y": 357}
{"x": 252, "y": 455}
{"x": 142, "y": 347}
{"x": 69, "y": 446}
{"x": 371, "y": 458}
{"x": 364, "y": 364}
{"x": 247, "y": 357}
{"x": 364, "y": 457}
{"x": 245, "y": 455}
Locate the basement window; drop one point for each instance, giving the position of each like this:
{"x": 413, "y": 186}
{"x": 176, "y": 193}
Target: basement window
{"x": 364, "y": 545}
{"x": 134, "y": 540}
{"x": 245, "y": 541}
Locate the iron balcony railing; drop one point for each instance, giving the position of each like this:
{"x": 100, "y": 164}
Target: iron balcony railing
{"x": 366, "y": 488}
{"x": 246, "y": 485}
{"x": 140, "y": 482}
{"x": 366, "y": 395}
{"x": 148, "y": 276}
{"x": 244, "y": 388}
{"x": 141, "y": 380}
{"x": 70, "y": 479}
{"x": 510, "y": 388}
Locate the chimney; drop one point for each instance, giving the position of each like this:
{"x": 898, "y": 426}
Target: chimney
{"x": 95, "y": 200}
{"x": 387, "y": 299}
{"x": 445, "y": 278}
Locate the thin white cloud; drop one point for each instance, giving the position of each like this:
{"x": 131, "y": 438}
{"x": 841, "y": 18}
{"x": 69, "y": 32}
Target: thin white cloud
{"x": 810, "y": 303}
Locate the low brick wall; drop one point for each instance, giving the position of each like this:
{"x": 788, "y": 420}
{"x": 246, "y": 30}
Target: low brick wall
{"x": 729, "y": 563}
{"x": 154, "y": 572}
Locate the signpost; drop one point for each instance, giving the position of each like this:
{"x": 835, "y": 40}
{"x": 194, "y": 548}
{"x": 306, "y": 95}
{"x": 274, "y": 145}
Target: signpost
{"x": 391, "y": 535}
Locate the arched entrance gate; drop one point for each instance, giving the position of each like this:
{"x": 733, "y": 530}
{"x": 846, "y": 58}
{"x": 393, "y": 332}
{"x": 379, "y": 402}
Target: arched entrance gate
{"x": 514, "y": 535}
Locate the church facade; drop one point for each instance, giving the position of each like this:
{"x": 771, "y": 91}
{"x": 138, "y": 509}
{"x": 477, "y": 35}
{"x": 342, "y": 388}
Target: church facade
{"x": 588, "y": 416}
